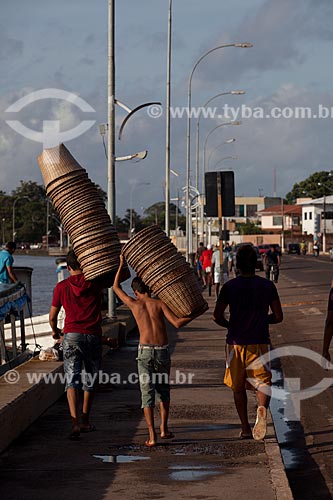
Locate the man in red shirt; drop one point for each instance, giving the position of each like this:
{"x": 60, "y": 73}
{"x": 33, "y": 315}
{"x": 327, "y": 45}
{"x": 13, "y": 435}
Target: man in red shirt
{"x": 81, "y": 301}
{"x": 206, "y": 261}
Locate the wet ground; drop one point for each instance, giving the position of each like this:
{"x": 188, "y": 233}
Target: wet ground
{"x": 205, "y": 460}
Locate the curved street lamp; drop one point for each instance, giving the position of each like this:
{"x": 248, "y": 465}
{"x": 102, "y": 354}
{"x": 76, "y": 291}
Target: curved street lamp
{"x": 228, "y": 141}
{"x": 205, "y": 146}
{"x": 202, "y": 215}
{"x": 231, "y": 92}
{"x": 188, "y": 160}
{"x": 226, "y": 158}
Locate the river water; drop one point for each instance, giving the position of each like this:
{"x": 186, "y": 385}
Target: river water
{"x": 44, "y": 279}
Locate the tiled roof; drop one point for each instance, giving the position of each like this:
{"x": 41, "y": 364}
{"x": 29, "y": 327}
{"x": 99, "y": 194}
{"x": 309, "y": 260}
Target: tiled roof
{"x": 287, "y": 210}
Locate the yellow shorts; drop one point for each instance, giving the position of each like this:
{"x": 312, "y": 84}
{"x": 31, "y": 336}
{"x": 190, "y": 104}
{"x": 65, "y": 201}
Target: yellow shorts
{"x": 243, "y": 363}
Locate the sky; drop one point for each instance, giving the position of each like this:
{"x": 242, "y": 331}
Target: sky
{"x": 63, "y": 45}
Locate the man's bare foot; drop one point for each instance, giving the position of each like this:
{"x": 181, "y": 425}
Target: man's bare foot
{"x": 166, "y": 434}
{"x": 150, "y": 444}
{"x": 152, "y": 440}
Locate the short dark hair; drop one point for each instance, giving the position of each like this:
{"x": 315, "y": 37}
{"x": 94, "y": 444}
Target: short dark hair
{"x": 138, "y": 285}
{"x": 11, "y": 245}
{"x": 246, "y": 259}
{"x": 72, "y": 262}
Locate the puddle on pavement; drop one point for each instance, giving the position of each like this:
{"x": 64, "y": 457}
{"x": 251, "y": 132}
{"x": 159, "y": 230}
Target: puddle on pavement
{"x": 120, "y": 459}
{"x": 193, "y": 472}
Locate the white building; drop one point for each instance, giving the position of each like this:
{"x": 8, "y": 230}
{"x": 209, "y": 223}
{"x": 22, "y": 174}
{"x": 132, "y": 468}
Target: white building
{"x": 313, "y": 219}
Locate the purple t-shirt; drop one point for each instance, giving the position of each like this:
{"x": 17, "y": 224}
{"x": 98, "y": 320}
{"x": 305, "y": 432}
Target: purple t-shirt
{"x": 249, "y": 299}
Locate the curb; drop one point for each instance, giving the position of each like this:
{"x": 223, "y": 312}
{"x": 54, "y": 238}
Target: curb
{"x": 276, "y": 467}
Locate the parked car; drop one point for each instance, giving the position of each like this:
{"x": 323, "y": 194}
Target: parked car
{"x": 260, "y": 264}
{"x": 294, "y": 248}
{"x": 263, "y": 248}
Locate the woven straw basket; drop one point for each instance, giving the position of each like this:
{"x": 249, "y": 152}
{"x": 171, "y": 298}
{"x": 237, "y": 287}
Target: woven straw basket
{"x": 167, "y": 273}
{"x": 83, "y": 213}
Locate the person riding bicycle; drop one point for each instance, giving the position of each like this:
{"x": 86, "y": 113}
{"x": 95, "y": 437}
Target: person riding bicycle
{"x": 272, "y": 259}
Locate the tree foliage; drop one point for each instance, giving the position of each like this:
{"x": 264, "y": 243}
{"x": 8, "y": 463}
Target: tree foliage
{"x": 248, "y": 228}
{"x": 155, "y": 214}
{"x": 316, "y": 185}
{"x": 28, "y": 203}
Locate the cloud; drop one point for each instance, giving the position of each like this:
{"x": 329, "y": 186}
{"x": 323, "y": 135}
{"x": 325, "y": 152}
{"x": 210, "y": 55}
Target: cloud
{"x": 279, "y": 30}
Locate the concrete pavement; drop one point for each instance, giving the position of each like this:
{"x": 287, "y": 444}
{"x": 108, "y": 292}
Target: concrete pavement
{"x": 205, "y": 460}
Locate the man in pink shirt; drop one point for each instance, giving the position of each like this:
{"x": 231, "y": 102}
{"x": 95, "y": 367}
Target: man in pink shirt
{"x": 81, "y": 301}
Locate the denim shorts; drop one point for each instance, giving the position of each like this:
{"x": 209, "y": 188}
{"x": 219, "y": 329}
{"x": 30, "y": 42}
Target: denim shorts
{"x": 154, "y": 373}
{"x": 82, "y": 351}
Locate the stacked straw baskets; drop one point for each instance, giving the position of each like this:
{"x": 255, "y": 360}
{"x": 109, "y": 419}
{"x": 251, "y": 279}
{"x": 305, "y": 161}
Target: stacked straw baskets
{"x": 83, "y": 213}
{"x": 156, "y": 260}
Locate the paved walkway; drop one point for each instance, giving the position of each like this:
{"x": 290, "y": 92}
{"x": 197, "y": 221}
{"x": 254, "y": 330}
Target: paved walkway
{"x": 206, "y": 459}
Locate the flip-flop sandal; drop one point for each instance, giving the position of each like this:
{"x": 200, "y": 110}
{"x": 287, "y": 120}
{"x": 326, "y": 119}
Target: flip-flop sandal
{"x": 91, "y": 428}
{"x": 259, "y": 429}
{"x": 168, "y": 435}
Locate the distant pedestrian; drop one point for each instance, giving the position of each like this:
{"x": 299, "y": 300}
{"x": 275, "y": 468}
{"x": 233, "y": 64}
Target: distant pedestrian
{"x": 249, "y": 298}
{"x": 220, "y": 274}
{"x": 272, "y": 259}
{"x": 81, "y": 301}
{"x": 153, "y": 352}
{"x": 7, "y": 274}
{"x": 206, "y": 261}
{"x": 216, "y": 270}
{"x": 198, "y": 263}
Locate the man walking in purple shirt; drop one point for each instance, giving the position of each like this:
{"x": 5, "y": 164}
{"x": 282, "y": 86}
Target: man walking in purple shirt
{"x": 250, "y": 298}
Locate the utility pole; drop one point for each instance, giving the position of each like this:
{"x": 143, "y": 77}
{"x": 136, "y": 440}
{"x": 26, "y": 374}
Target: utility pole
{"x": 111, "y": 133}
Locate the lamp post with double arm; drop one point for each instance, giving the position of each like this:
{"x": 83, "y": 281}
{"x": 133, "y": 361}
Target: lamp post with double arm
{"x": 188, "y": 142}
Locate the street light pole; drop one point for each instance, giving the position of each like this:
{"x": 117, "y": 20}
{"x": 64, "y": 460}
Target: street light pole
{"x": 167, "y": 148}
{"x": 225, "y": 158}
{"x": 324, "y": 212}
{"x": 111, "y": 134}
{"x": 228, "y": 141}
{"x": 202, "y": 215}
{"x": 188, "y": 138}
{"x": 231, "y": 92}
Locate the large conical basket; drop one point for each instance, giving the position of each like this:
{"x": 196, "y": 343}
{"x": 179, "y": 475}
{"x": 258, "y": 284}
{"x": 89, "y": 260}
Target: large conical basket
{"x": 83, "y": 213}
{"x": 56, "y": 163}
{"x": 156, "y": 260}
